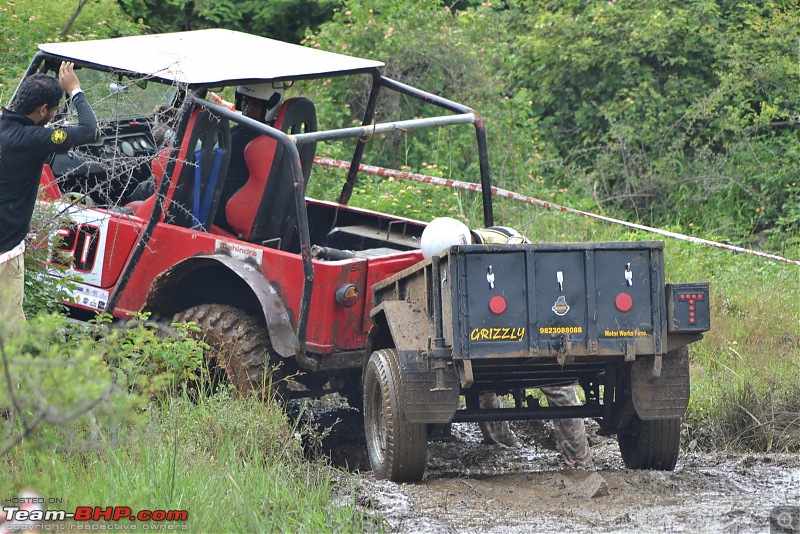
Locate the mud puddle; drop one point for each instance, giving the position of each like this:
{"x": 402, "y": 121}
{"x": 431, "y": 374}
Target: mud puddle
{"x": 473, "y": 487}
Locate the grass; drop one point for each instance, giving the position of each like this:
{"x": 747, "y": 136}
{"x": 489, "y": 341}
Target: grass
{"x": 235, "y": 466}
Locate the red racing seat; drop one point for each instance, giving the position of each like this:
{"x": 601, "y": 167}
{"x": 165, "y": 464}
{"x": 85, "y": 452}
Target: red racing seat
{"x": 263, "y": 209}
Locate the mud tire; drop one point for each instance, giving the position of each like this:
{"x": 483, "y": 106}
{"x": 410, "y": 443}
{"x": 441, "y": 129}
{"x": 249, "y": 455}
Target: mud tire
{"x": 240, "y": 348}
{"x": 651, "y": 444}
{"x": 397, "y": 449}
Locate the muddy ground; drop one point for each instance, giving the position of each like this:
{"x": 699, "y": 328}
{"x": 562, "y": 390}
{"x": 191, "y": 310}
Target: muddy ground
{"x": 473, "y": 487}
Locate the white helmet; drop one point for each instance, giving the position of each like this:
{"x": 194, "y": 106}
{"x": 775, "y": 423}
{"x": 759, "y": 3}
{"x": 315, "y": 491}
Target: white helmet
{"x": 442, "y": 233}
{"x": 271, "y": 94}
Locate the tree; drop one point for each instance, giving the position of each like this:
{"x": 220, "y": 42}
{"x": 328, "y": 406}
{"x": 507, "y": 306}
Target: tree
{"x": 654, "y": 102}
{"x": 285, "y": 20}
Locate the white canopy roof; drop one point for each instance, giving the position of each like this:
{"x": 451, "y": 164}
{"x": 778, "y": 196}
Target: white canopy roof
{"x": 209, "y": 57}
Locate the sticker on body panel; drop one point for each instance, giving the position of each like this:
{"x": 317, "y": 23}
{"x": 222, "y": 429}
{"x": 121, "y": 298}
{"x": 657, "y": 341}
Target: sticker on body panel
{"x": 240, "y": 252}
{"x": 80, "y": 245}
{"x": 90, "y": 297}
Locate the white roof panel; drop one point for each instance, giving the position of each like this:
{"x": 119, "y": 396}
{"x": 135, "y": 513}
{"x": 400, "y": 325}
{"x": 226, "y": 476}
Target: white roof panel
{"x": 209, "y": 57}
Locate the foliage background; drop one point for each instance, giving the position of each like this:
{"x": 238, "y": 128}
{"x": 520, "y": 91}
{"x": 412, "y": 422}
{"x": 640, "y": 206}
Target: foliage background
{"x": 681, "y": 115}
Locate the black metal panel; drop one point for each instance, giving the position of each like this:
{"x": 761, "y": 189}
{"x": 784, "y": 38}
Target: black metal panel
{"x": 500, "y": 276}
{"x": 560, "y": 299}
{"x": 573, "y": 300}
{"x": 623, "y": 275}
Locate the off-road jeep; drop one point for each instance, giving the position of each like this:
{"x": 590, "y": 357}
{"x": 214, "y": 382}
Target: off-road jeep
{"x": 340, "y": 297}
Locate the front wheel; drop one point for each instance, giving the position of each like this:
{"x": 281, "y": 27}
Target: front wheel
{"x": 651, "y": 444}
{"x": 397, "y": 449}
{"x": 238, "y": 347}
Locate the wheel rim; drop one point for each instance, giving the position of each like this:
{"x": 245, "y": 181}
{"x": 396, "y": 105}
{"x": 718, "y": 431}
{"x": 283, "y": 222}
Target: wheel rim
{"x": 377, "y": 418}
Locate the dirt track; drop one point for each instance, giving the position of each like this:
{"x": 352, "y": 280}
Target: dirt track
{"x": 472, "y": 487}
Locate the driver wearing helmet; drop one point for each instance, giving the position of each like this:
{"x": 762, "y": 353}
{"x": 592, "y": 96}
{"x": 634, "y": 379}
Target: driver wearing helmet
{"x": 571, "y": 441}
{"x": 259, "y": 102}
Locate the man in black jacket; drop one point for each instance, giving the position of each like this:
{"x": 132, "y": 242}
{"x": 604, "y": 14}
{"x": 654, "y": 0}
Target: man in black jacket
{"x": 25, "y": 143}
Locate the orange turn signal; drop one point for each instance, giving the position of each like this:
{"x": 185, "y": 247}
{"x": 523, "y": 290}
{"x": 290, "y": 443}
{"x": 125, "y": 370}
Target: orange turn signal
{"x": 347, "y": 295}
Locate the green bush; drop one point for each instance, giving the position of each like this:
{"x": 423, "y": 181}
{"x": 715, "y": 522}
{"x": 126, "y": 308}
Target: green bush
{"x": 672, "y": 112}
{"x": 220, "y": 454}
{"x": 27, "y": 23}
{"x": 62, "y": 378}
{"x": 455, "y": 54}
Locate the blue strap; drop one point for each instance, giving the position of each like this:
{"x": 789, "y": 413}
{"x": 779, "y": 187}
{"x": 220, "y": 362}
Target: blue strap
{"x": 197, "y": 181}
{"x": 201, "y": 211}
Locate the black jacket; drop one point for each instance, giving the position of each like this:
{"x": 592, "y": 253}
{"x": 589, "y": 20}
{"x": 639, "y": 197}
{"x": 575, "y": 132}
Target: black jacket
{"x": 24, "y": 147}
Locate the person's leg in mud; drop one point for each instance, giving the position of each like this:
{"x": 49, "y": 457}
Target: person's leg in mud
{"x": 570, "y": 433}
{"x": 496, "y": 432}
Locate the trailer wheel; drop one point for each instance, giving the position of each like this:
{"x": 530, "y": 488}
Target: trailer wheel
{"x": 397, "y": 449}
{"x": 651, "y": 444}
{"x": 239, "y": 350}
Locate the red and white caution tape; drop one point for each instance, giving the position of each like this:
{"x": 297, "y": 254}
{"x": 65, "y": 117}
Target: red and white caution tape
{"x": 468, "y": 186}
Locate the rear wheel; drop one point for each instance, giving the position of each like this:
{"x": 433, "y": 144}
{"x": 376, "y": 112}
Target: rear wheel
{"x": 239, "y": 350}
{"x": 651, "y": 444}
{"x": 397, "y": 449}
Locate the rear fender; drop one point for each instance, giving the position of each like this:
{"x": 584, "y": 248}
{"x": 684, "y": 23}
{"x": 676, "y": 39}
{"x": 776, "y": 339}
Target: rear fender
{"x": 665, "y": 396}
{"x": 424, "y": 400}
{"x": 167, "y": 285}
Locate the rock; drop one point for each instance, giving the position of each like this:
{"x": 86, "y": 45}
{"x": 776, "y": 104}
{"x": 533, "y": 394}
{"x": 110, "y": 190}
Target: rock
{"x": 592, "y": 487}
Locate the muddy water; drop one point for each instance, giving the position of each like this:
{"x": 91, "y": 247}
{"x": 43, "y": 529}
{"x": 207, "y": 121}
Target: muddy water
{"x": 472, "y": 487}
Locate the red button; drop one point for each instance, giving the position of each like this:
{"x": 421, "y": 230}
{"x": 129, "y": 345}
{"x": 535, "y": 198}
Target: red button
{"x": 699, "y": 296}
{"x": 691, "y": 308}
{"x": 691, "y": 320}
{"x": 623, "y": 302}
{"x": 497, "y": 304}
{"x": 683, "y": 297}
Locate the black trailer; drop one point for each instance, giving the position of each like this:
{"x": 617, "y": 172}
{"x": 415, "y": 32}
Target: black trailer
{"x": 508, "y": 318}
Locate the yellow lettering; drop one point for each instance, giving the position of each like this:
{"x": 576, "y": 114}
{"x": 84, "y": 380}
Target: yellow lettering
{"x": 497, "y": 333}
{"x": 624, "y": 333}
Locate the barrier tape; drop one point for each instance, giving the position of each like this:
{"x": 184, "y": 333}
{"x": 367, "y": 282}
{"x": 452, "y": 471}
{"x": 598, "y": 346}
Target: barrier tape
{"x": 468, "y": 186}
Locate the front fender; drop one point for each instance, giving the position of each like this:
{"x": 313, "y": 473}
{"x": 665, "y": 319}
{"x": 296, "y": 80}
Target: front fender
{"x": 169, "y": 284}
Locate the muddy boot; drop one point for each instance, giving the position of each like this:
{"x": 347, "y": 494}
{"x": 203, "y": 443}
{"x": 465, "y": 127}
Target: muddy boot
{"x": 572, "y": 443}
{"x": 496, "y": 432}
{"x": 441, "y": 433}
